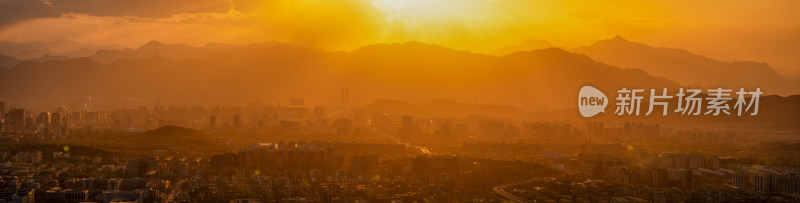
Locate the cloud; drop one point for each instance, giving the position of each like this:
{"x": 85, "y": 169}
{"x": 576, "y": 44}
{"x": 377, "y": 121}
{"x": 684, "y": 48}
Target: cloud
{"x": 326, "y": 24}
{"x": 14, "y": 11}
{"x": 193, "y": 29}
{"x": 141, "y": 8}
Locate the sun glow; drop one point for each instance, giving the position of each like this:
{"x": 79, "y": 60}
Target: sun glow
{"x": 423, "y": 6}
{"x": 453, "y": 23}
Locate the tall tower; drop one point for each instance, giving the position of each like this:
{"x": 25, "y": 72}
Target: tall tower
{"x": 55, "y": 124}
{"x": 345, "y": 97}
{"x": 43, "y": 124}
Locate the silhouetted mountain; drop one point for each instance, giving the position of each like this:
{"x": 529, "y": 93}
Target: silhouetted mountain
{"x": 172, "y": 51}
{"x": 397, "y": 107}
{"x": 531, "y": 44}
{"x": 278, "y": 71}
{"x": 33, "y": 50}
{"x": 153, "y": 48}
{"x": 554, "y": 76}
{"x": 8, "y": 61}
{"x": 687, "y": 68}
{"x": 171, "y": 138}
{"x": 48, "y": 58}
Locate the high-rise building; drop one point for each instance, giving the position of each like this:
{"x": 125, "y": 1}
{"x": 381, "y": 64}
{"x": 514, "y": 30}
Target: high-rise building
{"x": 64, "y": 127}
{"x": 36, "y": 157}
{"x": 183, "y": 169}
{"x": 55, "y": 125}
{"x": 237, "y": 121}
{"x": 697, "y": 161}
{"x": 685, "y": 177}
{"x": 713, "y": 162}
{"x": 2, "y": 109}
{"x": 343, "y": 126}
{"x": 15, "y": 119}
{"x": 407, "y": 127}
{"x": 660, "y": 177}
{"x": 56, "y": 194}
{"x": 30, "y": 123}
{"x": 681, "y": 161}
{"x": 133, "y": 167}
{"x": 297, "y": 102}
{"x": 319, "y": 112}
{"x": 212, "y": 122}
{"x": 408, "y": 121}
{"x": 43, "y": 125}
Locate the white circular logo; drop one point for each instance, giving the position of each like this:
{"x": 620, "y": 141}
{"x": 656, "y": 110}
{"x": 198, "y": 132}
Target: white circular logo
{"x": 591, "y": 101}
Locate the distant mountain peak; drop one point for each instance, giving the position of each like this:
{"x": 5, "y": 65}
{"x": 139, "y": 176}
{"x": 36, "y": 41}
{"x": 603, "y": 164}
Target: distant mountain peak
{"x": 528, "y": 45}
{"x": 409, "y": 45}
{"x": 64, "y": 41}
{"x": 552, "y": 51}
{"x": 82, "y": 61}
{"x": 153, "y": 43}
{"x": 618, "y": 42}
{"x": 410, "y": 48}
{"x": 159, "y": 45}
{"x": 681, "y": 65}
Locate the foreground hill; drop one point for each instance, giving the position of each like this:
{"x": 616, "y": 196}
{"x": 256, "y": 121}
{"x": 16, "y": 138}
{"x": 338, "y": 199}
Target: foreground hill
{"x": 170, "y": 138}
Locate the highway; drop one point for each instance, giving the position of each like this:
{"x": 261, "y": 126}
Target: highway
{"x": 501, "y": 190}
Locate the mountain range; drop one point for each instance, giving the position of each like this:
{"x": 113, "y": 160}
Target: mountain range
{"x": 410, "y": 71}
{"x": 531, "y": 44}
{"x": 535, "y": 79}
{"x": 32, "y": 50}
{"x": 689, "y": 69}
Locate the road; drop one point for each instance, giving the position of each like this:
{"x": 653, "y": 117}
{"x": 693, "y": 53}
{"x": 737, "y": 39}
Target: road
{"x": 501, "y": 190}
{"x": 422, "y": 150}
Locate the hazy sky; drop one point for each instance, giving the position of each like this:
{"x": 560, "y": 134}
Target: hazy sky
{"x": 767, "y": 30}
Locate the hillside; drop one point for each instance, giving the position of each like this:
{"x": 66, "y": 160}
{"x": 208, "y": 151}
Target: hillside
{"x": 170, "y": 138}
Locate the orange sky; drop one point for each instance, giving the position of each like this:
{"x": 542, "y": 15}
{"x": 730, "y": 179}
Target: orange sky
{"x": 766, "y": 30}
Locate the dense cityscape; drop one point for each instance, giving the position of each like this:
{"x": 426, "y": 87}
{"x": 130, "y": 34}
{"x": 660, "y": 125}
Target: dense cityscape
{"x": 294, "y": 153}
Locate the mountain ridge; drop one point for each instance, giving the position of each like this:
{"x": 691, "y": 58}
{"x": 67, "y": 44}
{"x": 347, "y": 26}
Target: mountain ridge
{"x": 407, "y": 71}
{"x": 688, "y": 68}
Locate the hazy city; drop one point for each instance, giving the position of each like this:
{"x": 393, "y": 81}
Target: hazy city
{"x": 394, "y": 101}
